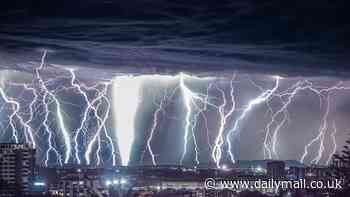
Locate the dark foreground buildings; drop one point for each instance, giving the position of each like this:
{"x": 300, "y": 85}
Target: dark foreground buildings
{"x": 17, "y": 162}
{"x": 20, "y": 178}
{"x": 276, "y": 169}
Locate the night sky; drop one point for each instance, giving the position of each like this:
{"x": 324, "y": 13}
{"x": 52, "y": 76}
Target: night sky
{"x": 159, "y": 51}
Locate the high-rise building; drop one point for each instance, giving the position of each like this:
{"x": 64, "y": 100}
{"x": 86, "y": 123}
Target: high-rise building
{"x": 78, "y": 182}
{"x": 276, "y": 169}
{"x": 16, "y": 169}
{"x": 296, "y": 172}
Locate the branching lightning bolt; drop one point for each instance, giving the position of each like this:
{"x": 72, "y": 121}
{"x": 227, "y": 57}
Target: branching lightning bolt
{"x": 256, "y": 101}
{"x": 319, "y": 137}
{"x": 189, "y": 99}
{"x": 59, "y": 114}
{"x": 154, "y": 127}
{"x": 219, "y": 141}
{"x": 101, "y": 126}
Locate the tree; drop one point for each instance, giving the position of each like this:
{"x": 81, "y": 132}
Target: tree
{"x": 341, "y": 166}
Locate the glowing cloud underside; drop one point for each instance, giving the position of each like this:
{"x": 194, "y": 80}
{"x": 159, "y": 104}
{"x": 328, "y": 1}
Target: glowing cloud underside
{"x": 126, "y": 91}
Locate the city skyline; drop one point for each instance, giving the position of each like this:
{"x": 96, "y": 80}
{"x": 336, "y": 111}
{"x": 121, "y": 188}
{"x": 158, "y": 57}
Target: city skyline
{"x": 20, "y": 177}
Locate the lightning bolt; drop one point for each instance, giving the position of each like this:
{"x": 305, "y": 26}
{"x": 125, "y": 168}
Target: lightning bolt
{"x": 89, "y": 106}
{"x": 109, "y": 138}
{"x": 15, "y": 114}
{"x": 194, "y": 122}
{"x": 59, "y": 114}
{"x": 49, "y": 132}
{"x": 190, "y": 100}
{"x": 219, "y": 141}
{"x": 276, "y": 131}
{"x": 26, "y": 124}
{"x": 267, "y": 150}
{"x": 187, "y": 94}
{"x": 324, "y": 126}
{"x": 319, "y": 137}
{"x": 322, "y": 132}
{"x": 154, "y": 127}
{"x": 333, "y": 134}
{"x": 97, "y": 140}
{"x": 101, "y": 126}
{"x": 270, "y": 145}
{"x": 12, "y": 115}
{"x": 85, "y": 114}
{"x": 263, "y": 97}
{"x": 102, "y": 96}
{"x": 31, "y": 113}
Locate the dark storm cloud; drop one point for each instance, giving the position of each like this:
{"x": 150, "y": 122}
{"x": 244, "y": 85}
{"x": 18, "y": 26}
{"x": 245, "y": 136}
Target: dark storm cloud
{"x": 161, "y": 36}
{"x": 157, "y": 47}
